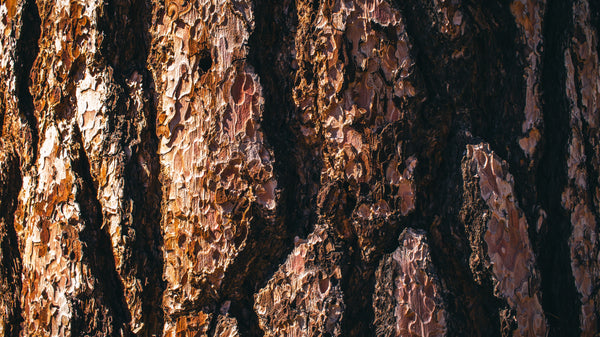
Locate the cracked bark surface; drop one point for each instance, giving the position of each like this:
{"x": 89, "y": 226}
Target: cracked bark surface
{"x": 299, "y": 168}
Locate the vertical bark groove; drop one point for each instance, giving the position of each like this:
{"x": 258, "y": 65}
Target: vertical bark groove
{"x": 10, "y": 260}
{"x": 17, "y": 152}
{"x": 97, "y": 250}
{"x": 471, "y": 305}
{"x": 126, "y": 51}
{"x": 268, "y": 245}
{"x": 27, "y": 49}
{"x": 560, "y": 296}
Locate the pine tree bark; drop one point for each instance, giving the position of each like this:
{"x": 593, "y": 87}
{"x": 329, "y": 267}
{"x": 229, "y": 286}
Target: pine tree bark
{"x": 299, "y": 168}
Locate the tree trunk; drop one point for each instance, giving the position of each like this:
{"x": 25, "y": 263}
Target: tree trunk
{"x": 299, "y": 168}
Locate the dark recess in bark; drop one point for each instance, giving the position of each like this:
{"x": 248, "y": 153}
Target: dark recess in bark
{"x": 560, "y": 301}
{"x": 97, "y": 252}
{"x": 10, "y": 259}
{"x": 467, "y": 96}
{"x": 271, "y": 238}
{"x": 358, "y": 283}
{"x": 125, "y": 48}
{"x": 472, "y": 306}
{"x": 26, "y": 52}
{"x": 498, "y": 105}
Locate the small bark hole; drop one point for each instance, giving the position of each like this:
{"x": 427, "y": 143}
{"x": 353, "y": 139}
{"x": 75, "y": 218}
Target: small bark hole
{"x": 205, "y": 60}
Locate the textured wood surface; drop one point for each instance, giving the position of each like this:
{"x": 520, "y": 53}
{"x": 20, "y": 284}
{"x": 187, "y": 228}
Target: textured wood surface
{"x": 299, "y": 168}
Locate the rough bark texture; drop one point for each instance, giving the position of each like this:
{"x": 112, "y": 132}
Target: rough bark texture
{"x": 299, "y": 168}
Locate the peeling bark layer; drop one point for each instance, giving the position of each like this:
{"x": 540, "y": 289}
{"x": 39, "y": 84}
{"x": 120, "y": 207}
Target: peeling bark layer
{"x": 413, "y": 304}
{"x": 242, "y": 168}
{"x": 304, "y": 295}
{"x": 500, "y": 245}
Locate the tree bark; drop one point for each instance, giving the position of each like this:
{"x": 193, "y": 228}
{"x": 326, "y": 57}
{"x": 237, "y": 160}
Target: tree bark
{"x": 299, "y": 168}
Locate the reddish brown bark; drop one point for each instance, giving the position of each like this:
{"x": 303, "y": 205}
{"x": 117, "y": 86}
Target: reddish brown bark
{"x": 331, "y": 168}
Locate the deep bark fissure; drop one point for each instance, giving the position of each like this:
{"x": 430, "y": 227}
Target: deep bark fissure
{"x": 459, "y": 93}
{"x": 358, "y": 290}
{"x": 151, "y": 213}
{"x": 97, "y": 247}
{"x": 497, "y": 107}
{"x": 10, "y": 259}
{"x": 27, "y": 49}
{"x": 244, "y": 277}
{"x": 126, "y": 46}
{"x": 472, "y": 307}
{"x": 429, "y": 53}
{"x": 560, "y": 301}
{"x": 425, "y": 46}
{"x": 266, "y": 49}
{"x": 271, "y": 235}
{"x": 358, "y": 282}
{"x": 502, "y": 68}
{"x": 126, "y": 50}
{"x": 153, "y": 200}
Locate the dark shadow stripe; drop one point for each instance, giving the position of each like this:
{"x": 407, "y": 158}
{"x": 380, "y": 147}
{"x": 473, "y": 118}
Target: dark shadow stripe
{"x": 27, "y": 50}
{"x": 560, "y": 301}
{"x": 126, "y": 48}
{"x": 271, "y": 236}
{"x": 98, "y": 256}
{"x": 10, "y": 259}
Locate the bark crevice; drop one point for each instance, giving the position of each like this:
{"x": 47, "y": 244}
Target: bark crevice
{"x": 10, "y": 259}
{"x": 126, "y": 50}
{"x": 472, "y": 306}
{"x": 27, "y": 49}
{"x": 560, "y": 300}
{"x": 470, "y": 78}
{"x": 97, "y": 249}
{"x": 358, "y": 285}
{"x": 271, "y": 237}
{"x": 13, "y": 162}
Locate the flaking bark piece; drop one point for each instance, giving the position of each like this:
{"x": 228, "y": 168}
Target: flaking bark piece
{"x": 192, "y": 325}
{"x": 369, "y": 39}
{"x": 500, "y": 242}
{"x": 408, "y": 295}
{"x": 226, "y": 327}
{"x": 304, "y": 297}
{"x": 529, "y": 17}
